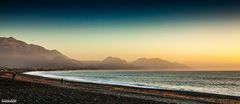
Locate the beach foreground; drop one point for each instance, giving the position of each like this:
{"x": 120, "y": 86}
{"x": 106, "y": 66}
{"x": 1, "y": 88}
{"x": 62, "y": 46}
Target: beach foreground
{"x": 39, "y": 90}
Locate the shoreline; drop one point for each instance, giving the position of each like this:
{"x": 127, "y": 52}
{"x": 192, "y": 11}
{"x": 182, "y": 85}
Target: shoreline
{"x": 126, "y": 92}
{"x": 130, "y": 86}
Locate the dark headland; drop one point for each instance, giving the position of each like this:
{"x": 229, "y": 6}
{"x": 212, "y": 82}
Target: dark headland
{"x": 17, "y": 54}
{"x": 38, "y": 90}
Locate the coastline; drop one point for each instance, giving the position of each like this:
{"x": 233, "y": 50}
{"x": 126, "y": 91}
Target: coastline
{"x": 150, "y": 84}
{"x": 116, "y": 92}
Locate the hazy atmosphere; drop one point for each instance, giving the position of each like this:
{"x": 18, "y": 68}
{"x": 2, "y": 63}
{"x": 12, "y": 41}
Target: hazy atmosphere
{"x": 120, "y": 51}
{"x": 200, "y": 35}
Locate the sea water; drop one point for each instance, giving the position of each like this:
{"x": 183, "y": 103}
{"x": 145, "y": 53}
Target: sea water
{"x": 226, "y": 83}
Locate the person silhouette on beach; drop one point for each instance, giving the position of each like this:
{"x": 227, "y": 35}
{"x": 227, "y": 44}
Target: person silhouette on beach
{"x": 13, "y": 75}
{"x": 61, "y": 80}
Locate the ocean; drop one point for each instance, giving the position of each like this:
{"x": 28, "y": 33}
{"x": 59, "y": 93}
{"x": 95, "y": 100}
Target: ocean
{"x": 225, "y": 83}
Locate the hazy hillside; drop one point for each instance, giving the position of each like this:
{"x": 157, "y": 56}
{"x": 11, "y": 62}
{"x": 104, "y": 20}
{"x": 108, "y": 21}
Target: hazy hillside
{"x": 156, "y": 63}
{"x": 18, "y": 54}
{"x": 141, "y": 63}
{"x": 108, "y": 63}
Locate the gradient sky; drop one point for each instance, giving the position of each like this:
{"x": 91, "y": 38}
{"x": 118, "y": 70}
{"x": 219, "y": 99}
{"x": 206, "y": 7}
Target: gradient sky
{"x": 201, "y": 34}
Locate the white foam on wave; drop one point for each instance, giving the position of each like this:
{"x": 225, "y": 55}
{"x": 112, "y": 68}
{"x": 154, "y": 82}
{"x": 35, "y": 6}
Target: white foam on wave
{"x": 49, "y": 74}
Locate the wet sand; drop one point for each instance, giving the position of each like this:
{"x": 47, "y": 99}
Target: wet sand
{"x": 40, "y": 90}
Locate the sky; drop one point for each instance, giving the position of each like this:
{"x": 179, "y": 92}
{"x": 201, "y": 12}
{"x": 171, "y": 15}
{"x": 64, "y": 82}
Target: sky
{"x": 199, "y": 33}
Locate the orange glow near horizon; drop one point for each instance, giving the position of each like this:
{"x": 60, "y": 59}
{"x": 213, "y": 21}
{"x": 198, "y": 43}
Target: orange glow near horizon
{"x": 200, "y": 45}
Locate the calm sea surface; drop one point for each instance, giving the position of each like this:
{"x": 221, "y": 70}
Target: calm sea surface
{"x": 226, "y": 83}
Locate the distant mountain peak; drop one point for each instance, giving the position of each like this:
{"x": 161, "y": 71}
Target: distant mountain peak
{"x": 10, "y": 39}
{"x": 151, "y": 60}
{"x": 17, "y": 54}
{"x": 157, "y": 63}
{"x": 117, "y": 60}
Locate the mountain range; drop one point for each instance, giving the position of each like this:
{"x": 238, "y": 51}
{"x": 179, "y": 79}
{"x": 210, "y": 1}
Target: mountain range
{"x": 18, "y": 54}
